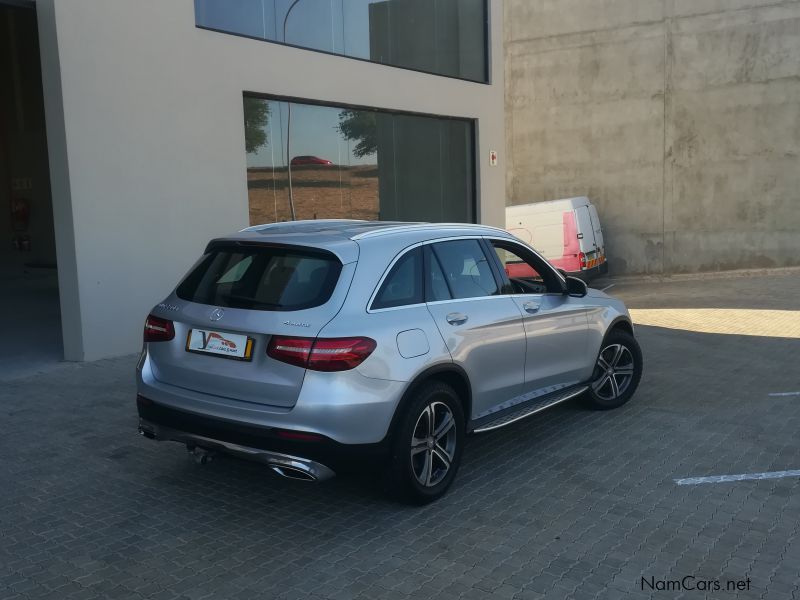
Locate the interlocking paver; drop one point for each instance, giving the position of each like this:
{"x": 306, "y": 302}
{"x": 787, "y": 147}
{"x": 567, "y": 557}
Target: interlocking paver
{"x": 570, "y": 503}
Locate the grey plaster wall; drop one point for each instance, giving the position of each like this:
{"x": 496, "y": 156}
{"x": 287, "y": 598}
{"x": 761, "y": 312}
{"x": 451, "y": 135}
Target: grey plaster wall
{"x": 680, "y": 119}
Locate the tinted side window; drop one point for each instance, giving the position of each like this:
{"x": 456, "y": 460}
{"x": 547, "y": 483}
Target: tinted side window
{"x": 403, "y": 285}
{"x": 466, "y": 269}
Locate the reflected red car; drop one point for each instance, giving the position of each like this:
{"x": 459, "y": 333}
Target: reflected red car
{"x": 299, "y": 161}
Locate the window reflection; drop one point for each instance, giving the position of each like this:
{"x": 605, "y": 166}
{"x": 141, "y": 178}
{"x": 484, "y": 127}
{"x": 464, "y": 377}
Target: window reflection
{"x": 445, "y": 37}
{"x": 307, "y": 161}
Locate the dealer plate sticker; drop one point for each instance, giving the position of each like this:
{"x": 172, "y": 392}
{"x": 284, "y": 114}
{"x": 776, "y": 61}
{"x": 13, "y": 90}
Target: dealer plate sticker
{"x": 228, "y": 345}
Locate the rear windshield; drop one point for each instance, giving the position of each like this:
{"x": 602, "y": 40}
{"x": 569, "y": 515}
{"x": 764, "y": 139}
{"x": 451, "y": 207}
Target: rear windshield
{"x": 261, "y": 278}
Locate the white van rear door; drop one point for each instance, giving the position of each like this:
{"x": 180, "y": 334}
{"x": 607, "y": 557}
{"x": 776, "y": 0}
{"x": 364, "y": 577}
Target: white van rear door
{"x": 598, "y": 232}
{"x": 585, "y": 229}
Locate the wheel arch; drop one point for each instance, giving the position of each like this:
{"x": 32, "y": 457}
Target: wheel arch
{"x": 620, "y": 323}
{"x": 450, "y": 373}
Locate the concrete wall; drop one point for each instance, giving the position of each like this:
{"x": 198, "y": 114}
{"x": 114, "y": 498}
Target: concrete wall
{"x": 147, "y": 150}
{"x": 680, "y": 119}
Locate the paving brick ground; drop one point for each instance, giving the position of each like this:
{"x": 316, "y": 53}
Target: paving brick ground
{"x": 568, "y": 504}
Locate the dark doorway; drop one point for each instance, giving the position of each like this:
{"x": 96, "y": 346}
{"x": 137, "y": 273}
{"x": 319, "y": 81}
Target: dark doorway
{"x": 29, "y": 308}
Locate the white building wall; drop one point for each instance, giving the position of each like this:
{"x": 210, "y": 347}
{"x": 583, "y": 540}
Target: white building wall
{"x": 147, "y": 151}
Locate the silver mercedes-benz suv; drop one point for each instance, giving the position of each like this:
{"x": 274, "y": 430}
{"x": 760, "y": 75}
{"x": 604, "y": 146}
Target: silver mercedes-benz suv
{"x": 316, "y": 346}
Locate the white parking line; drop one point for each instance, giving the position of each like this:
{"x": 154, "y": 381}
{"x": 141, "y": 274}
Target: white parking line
{"x": 608, "y": 287}
{"x": 740, "y": 477}
{"x": 785, "y": 394}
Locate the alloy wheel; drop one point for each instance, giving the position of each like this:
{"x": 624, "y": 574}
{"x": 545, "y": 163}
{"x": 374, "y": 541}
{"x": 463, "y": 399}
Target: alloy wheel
{"x": 613, "y": 372}
{"x": 433, "y": 444}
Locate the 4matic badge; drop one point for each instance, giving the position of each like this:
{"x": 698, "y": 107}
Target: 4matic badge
{"x": 296, "y": 324}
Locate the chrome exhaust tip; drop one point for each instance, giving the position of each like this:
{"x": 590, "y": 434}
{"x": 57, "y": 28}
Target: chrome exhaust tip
{"x": 292, "y": 473}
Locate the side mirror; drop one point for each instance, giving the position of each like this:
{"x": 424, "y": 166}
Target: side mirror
{"x": 576, "y": 287}
{"x": 563, "y": 272}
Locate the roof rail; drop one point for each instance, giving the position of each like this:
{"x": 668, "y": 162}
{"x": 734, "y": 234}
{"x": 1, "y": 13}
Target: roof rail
{"x": 423, "y": 226}
{"x": 265, "y": 226}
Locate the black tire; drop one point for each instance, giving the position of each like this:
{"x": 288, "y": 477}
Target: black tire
{"x": 404, "y": 471}
{"x": 602, "y": 394}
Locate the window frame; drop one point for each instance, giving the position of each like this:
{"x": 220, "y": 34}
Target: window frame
{"x": 429, "y": 257}
{"x": 425, "y": 271}
{"x": 487, "y": 54}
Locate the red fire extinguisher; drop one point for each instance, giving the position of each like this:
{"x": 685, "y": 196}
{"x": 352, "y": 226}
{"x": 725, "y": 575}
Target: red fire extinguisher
{"x": 20, "y": 214}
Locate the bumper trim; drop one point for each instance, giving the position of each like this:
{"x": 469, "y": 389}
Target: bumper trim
{"x": 286, "y": 465}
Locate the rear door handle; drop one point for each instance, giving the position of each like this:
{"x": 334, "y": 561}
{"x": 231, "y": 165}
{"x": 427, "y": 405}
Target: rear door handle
{"x": 456, "y": 318}
{"x": 531, "y": 307}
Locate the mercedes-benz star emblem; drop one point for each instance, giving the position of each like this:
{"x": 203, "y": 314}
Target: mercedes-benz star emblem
{"x": 216, "y": 314}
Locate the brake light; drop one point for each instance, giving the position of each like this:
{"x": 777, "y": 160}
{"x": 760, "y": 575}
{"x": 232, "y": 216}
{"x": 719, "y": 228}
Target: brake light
{"x": 292, "y": 350}
{"x": 340, "y": 354}
{"x": 582, "y": 258}
{"x": 321, "y": 354}
{"x": 157, "y": 329}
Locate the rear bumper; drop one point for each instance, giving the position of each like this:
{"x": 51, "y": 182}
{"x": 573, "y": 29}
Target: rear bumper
{"x": 347, "y": 407}
{"x": 320, "y": 459}
{"x": 284, "y": 464}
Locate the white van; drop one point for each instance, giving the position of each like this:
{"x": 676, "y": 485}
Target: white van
{"x": 566, "y": 232}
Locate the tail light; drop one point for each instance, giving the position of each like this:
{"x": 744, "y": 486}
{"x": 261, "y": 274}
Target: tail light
{"x": 291, "y": 350}
{"x": 157, "y": 329}
{"x": 582, "y": 258}
{"x": 321, "y": 354}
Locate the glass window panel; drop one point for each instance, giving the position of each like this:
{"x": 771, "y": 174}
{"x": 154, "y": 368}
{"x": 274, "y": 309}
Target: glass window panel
{"x": 306, "y": 161}
{"x": 246, "y": 17}
{"x": 403, "y": 286}
{"x": 265, "y": 124}
{"x": 444, "y": 37}
{"x": 527, "y": 272}
{"x": 265, "y": 279}
{"x": 314, "y": 24}
{"x": 466, "y": 269}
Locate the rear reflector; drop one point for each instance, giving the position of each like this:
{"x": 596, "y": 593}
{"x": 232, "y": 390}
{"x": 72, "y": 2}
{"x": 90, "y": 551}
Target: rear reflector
{"x": 321, "y": 354}
{"x": 157, "y": 329}
{"x": 300, "y": 436}
{"x": 582, "y": 258}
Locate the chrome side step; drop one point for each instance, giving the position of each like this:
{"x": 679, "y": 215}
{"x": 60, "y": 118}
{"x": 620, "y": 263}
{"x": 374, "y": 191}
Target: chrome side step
{"x": 529, "y": 408}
